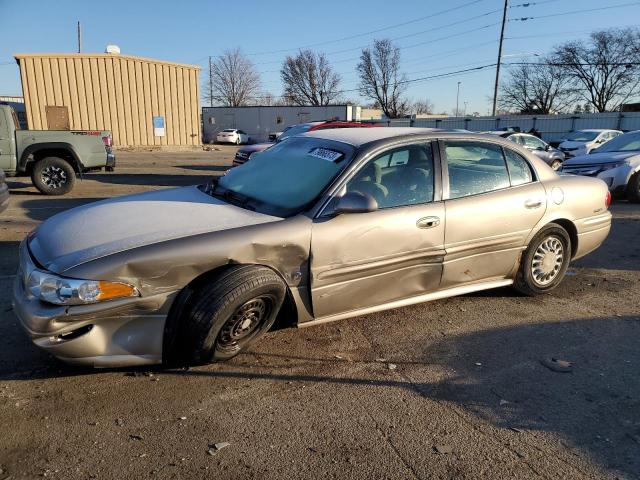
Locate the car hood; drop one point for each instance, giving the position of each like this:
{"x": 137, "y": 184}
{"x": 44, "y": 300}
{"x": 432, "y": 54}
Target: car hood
{"x": 604, "y": 157}
{"x": 570, "y": 144}
{"x": 256, "y": 147}
{"x": 102, "y": 228}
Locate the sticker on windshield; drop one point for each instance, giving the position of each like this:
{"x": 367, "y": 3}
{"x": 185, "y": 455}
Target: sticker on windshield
{"x": 325, "y": 154}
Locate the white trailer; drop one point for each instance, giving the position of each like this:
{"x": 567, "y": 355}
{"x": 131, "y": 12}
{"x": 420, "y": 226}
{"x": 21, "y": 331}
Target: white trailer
{"x": 259, "y": 122}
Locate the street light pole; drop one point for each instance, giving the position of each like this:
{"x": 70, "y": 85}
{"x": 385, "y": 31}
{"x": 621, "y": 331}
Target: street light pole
{"x": 465, "y": 109}
{"x": 458, "y": 99}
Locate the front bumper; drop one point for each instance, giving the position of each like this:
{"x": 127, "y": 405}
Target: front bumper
{"x": 615, "y": 178}
{"x": 111, "y": 334}
{"x": 4, "y": 194}
{"x": 111, "y": 161}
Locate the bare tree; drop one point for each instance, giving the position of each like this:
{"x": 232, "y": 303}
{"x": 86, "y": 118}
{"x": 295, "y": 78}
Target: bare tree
{"x": 234, "y": 80}
{"x": 380, "y": 78}
{"x": 423, "y": 107}
{"x": 542, "y": 88}
{"x": 309, "y": 79}
{"x": 606, "y": 67}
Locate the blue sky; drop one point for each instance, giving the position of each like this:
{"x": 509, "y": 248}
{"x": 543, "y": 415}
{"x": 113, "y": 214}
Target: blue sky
{"x": 190, "y": 31}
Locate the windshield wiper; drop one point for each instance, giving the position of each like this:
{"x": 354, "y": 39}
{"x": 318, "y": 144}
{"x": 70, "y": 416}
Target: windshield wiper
{"x": 234, "y": 198}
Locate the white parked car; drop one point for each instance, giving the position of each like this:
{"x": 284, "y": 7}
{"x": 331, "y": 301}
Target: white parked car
{"x": 581, "y": 142}
{"x": 232, "y": 135}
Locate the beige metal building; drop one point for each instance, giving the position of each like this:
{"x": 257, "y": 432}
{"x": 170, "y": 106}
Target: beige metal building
{"x": 143, "y": 102}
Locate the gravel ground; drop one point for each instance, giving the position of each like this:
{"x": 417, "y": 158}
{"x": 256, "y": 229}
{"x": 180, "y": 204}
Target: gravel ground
{"x": 450, "y": 389}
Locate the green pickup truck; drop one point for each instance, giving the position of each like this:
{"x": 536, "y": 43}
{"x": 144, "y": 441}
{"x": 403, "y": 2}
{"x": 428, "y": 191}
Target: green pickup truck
{"x": 51, "y": 157}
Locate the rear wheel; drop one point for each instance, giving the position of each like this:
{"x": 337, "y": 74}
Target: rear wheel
{"x": 633, "y": 188}
{"x": 228, "y": 314}
{"x": 53, "y": 176}
{"x": 556, "y": 164}
{"x": 545, "y": 261}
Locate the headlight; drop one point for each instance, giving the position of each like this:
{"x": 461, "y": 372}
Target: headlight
{"x": 68, "y": 291}
{"x": 609, "y": 166}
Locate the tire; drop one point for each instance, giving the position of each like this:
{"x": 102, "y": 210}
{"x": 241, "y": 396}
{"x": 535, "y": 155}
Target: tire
{"x": 633, "y": 188}
{"x": 109, "y": 169}
{"x": 53, "y": 176}
{"x": 555, "y": 241}
{"x": 215, "y": 327}
{"x": 556, "y": 164}
{"x": 238, "y": 141}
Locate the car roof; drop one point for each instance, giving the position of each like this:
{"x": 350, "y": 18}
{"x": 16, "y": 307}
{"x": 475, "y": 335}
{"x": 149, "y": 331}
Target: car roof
{"x": 362, "y": 136}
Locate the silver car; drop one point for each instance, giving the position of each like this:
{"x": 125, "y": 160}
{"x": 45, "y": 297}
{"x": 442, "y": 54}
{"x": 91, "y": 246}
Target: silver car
{"x": 328, "y": 225}
{"x": 617, "y": 163}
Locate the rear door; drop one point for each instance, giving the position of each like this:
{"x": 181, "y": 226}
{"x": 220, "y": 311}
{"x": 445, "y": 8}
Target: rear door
{"x": 362, "y": 260}
{"x": 492, "y": 200}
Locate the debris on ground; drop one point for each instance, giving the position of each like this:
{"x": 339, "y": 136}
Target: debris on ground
{"x": 443, "y": 449}
{"x": 503, "y": 402}
{"x": 136, "y": 437}
{"x": 216, "y": 447}
{"x": 392, "y": 366}
{"x": 381, "y": 360}
{"x": 478, "y": 364}
{"x": 182, "y": 418}
{"x": 557, "y": 365}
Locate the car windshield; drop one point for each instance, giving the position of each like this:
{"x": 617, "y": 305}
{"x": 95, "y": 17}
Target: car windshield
{"x": 582, "y": 136}
{"x": 294, "y": 130}
{"x": 289, "y": 176}
{"x": 229, "y": 130}
{"x": 629, "y": 142}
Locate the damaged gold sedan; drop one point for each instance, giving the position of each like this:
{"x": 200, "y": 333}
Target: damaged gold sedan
{"x": 320, "y": 227}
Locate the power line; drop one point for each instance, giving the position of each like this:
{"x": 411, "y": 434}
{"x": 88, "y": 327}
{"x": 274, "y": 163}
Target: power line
{"x": 573, "y": 12}
{"x": 350, "y": 37}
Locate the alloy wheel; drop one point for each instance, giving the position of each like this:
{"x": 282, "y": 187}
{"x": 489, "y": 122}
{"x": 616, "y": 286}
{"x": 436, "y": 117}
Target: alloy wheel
{"x": 53, "y": 177}
{"x": 547, "y": 260}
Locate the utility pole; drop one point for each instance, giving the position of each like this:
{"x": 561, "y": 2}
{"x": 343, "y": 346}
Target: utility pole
{"x": 495, "y": 87}
{"x": 210, "y": 82}
{"x": 458, "y": 99}
{"x": 79, "y": 38}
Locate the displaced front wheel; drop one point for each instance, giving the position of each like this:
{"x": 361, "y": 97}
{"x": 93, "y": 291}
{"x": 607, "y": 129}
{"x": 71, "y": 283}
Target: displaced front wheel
{"x": 53, "y": 176}
{"x": 230, "y": 313}
{"x": 556, "y": 164}
{"x": 545, "y": 261}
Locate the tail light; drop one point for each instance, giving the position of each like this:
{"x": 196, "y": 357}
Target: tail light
{"x": 607, "y": 199}
{"x": 106, "y": 140}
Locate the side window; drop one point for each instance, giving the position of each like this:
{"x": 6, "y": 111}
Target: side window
{"x": 475, "y": 167}
{"x": 533, "y": 142}
{"x": 401, "y": 177}
{"x": 519, "y": 170}
{"x": 517, "y": 139}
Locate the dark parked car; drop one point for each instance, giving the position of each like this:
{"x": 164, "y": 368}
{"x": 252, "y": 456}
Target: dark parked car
{"x": 245, "y": 153}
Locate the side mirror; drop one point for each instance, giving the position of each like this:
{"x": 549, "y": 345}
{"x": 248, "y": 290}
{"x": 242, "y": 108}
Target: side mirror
{"x": 547, "y": 148}
{"x": 356, "y": 202}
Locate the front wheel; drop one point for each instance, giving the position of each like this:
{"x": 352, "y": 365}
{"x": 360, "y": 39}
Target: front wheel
{"x": 229, "y": 313}
{"x": 556, "y": 164}
{"x": 545, "y": 261}
{"x": 633, "y": 188}
{"x": 53, "y": 176}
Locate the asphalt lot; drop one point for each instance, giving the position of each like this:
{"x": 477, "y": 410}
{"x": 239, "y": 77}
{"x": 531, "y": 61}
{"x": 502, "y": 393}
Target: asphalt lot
{"x": 449, "y": 389}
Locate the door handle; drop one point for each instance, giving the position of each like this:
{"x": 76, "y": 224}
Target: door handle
{"x": 532, "y": 203}
{"x": 428, "y": 222}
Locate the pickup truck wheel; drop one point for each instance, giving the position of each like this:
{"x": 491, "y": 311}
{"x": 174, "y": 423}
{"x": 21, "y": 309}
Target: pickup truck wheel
{"x": 545, "y": 261}
{"x": 230, "y": 313}
{"x": 633, "y": 188}
{"x": 53, "y": 176}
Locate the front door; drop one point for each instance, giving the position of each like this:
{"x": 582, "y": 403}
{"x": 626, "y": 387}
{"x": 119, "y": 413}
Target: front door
{"x": 7, "y": 140}
{"x": 367, "y": 259}
{"x": 493, "y": 202}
